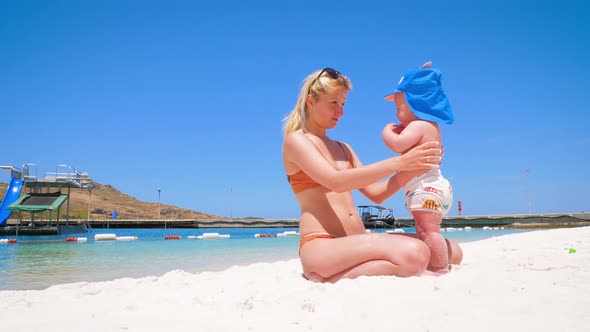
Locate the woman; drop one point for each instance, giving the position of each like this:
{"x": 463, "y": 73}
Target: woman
{"x": 322, "y": 173}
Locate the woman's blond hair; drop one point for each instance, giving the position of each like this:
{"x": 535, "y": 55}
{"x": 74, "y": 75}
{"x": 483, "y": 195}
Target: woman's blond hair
{"x": 316, "y": 86}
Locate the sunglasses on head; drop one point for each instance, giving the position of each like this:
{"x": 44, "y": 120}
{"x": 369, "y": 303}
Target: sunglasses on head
{"x": 333, "y": 73}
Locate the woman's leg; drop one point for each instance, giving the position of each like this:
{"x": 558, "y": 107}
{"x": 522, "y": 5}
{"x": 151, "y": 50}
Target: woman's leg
{"x": 371, "y": 268}
{"x": 363, "y": 254}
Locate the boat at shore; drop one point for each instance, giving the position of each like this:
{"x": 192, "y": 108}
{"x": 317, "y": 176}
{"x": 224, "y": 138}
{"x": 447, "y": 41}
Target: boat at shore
{"x": 375, "y": 216}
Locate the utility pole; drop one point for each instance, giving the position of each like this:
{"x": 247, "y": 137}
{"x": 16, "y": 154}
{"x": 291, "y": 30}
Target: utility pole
{"x": 158, "y": 203}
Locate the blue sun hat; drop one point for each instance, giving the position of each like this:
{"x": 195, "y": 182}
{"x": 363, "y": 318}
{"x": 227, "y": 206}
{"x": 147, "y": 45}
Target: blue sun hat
{"x": 424, "y": 94}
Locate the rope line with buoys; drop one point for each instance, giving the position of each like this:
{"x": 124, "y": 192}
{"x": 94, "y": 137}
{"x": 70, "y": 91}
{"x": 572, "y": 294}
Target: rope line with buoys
{"x": 262, "y": 235}
{"x": 76, "y": 239}
{"x": 283, "y": 234}
{"x": 7, "y": 241}
{"x": 127, "y": 238}
{"x": 172, "y": 237}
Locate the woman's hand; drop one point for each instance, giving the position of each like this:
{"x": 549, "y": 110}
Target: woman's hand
{"x": 424, "y": 156}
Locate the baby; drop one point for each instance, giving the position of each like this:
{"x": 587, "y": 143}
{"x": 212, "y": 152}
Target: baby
{"x": 421, "y": 106}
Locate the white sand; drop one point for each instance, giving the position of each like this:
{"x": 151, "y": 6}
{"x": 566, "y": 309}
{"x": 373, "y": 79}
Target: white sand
{"x": 520, "y": 282}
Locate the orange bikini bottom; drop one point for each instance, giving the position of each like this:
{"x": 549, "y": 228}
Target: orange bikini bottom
{"x": 313, "y": 236}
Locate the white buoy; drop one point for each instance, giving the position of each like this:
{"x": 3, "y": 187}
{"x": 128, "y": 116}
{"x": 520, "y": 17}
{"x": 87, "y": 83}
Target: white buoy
{"x": 105, "y": 237}
{"x": 397, "y": 230}
{"x": 467, "y": 228}
{"x": 287, "y": 233}
{"x": 209, "y": 236}
{"x": 215, "y": 236}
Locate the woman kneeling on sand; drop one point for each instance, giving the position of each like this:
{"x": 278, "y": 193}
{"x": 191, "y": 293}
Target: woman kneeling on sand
{"x": 323, "y": 172}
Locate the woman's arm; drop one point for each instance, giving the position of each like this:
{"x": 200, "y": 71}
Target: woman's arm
{"x": 299, "y": 150}
{"x": 380, "y": 191}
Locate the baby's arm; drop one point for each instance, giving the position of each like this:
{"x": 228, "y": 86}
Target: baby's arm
{"x": 400, "y": 139}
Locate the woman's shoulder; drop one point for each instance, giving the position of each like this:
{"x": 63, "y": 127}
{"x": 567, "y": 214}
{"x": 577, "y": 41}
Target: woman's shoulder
{"x": 294, "y": 140}
{"x": 294, "y": 136}
{"x": 294, "y": 133}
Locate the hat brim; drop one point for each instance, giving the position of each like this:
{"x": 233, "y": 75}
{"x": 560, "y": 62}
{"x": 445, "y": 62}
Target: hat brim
{"x": 391, "y": 97}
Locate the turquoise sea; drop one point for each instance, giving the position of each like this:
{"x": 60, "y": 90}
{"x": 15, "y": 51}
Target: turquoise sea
{"x": 39, "y": 262}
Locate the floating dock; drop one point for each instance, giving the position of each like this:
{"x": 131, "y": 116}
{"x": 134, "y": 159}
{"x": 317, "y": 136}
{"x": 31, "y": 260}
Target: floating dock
{"x": 42, "y": 230}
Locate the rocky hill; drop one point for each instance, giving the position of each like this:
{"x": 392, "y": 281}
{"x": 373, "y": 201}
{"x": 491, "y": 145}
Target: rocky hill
{"x": 106, "y": 198}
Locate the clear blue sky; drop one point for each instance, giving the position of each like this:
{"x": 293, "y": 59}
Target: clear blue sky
{"x": 189, "y": 96}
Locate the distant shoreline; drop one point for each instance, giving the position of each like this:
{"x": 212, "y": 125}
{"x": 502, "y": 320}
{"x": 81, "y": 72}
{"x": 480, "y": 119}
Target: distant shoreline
{"x": 557, "y": 220}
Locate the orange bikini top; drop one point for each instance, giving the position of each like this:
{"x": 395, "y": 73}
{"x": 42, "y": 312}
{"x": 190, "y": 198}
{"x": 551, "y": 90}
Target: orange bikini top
{"x": 301, "y": 181}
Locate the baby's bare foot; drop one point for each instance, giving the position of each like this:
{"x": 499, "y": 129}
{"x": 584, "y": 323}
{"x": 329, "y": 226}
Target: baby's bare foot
{"x": 436, "y": 272}
{"x": 441, "y": 271}
{"x": 429, "y": 273}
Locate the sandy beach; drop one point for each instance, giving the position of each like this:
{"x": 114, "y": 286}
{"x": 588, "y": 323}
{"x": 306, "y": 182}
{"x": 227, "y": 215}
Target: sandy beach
{"x": 518, "y": 282}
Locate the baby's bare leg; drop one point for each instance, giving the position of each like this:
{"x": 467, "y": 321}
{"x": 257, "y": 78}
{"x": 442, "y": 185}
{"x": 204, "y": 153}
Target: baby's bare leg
{"x": 428, "y": 230}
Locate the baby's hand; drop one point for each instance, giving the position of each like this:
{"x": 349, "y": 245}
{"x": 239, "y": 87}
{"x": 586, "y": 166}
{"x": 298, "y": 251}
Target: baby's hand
{"x": 390, "y": 135}
{"x": 397, "y": 129}
{"x": 393, "y": 128}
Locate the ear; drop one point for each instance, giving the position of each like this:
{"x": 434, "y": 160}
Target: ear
{"x": 427, "y": 65}
{"x": 310, "y": 101}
